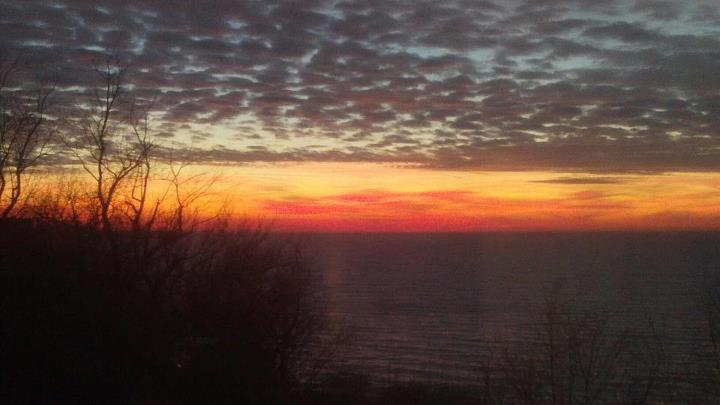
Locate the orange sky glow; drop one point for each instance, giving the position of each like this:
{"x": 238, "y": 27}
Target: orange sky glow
{"x": 364, "y": 197}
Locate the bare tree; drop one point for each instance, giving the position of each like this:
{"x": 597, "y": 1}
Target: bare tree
{"x": 140, "y": 215}
{"x": 157, "y": 290}
{"x": 25, "y": 133}
{"x": 574, "y": 358}
{"x": 104, "y": 148}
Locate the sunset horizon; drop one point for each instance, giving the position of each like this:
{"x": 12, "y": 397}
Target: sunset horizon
{"x": 360, "y": 202}
{"x": 377, "y": 197}
{"x": 472, "y": 116}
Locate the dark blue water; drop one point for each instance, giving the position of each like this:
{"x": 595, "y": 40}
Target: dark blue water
{"x": 431, "y": 306}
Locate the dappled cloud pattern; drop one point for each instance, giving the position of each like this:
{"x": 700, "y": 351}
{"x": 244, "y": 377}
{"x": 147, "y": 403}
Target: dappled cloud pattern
{"x": 612, "y": 86}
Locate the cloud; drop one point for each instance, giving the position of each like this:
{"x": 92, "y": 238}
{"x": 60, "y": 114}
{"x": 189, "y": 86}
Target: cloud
{"x": 620, "y": 86}
{"x": 581, "y": 180}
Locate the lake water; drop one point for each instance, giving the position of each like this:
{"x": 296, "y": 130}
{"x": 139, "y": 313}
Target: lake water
{"x": 428, "y": 306}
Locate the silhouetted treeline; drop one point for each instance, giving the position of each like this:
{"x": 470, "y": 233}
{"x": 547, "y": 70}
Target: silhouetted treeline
{"x": 220, "y": 317}
{"x": 115, "y": 292}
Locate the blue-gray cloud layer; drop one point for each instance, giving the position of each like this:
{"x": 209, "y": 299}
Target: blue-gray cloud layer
{"x": 536, "y": 84}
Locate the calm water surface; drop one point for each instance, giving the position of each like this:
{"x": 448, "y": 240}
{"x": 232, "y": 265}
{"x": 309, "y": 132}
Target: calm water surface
{"x": 430, "y": 306}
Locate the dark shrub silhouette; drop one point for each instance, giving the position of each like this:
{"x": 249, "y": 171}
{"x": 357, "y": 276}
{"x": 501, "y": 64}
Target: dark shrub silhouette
{"x": 233, "y": 323}
{"x": 114, "y": 294}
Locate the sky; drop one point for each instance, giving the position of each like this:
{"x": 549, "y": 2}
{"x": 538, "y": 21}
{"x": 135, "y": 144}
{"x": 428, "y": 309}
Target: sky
{"x": 411, "y": 115}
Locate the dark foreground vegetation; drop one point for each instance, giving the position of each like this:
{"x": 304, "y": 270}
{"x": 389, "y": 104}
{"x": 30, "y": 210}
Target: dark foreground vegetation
{"x": 112, "y": 292}
{"x": 218, "y": 317}
{"x": 115, "y": 287}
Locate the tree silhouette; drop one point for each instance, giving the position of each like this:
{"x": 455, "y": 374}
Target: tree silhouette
{"x": 25, "y": 132}
{"x": 116, "y": 294}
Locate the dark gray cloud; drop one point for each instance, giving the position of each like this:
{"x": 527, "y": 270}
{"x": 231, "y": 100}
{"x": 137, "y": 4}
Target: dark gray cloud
{"x": 584, "y": 180}
{"x": 613, "y": 86}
